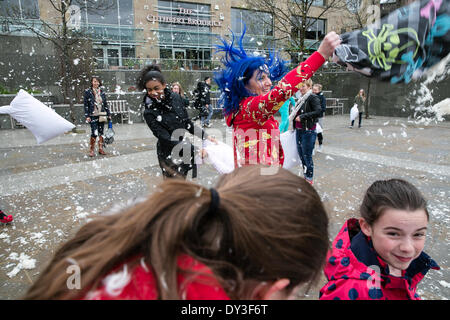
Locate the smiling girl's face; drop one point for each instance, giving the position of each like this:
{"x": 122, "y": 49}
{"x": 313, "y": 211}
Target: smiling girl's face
{"x": 95, "y": 83}
{"x": 398, "y": 237}
{"x": 155, "y": 89}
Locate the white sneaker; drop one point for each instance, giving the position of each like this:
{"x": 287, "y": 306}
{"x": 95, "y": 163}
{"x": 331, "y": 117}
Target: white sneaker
{"x": 319, "y": 149}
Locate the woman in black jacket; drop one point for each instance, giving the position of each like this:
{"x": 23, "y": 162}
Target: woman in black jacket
{"x": 305, "y": 125}
{"x": 166, "y": 115}
{"x": 95, "y": 106}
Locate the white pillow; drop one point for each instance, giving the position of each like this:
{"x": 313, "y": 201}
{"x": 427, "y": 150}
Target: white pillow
{"x": 354, "y": 112}
{"x": 289, "y": 145}
{"x": 220, "y": 156}
{"x": 41, "y": 120}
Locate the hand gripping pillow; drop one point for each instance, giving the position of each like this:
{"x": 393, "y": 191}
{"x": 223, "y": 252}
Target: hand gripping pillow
{"x": 42, "y": 121}
{"x": 220, "y": 156}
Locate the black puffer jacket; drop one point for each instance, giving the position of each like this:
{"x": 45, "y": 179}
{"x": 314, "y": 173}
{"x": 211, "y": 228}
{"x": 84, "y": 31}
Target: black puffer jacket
{"x": 323, "y": 103}
{"x": 164, "y": 117}
{"x": 202, "y": 95}
{"x": 309, "y": 112}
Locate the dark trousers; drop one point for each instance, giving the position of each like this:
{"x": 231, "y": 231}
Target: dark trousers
{"x": 170, "y": 169}
{"x": 97, "y": 127}
{"x": 360, "y": 118}
{"x": 320, "y": 138}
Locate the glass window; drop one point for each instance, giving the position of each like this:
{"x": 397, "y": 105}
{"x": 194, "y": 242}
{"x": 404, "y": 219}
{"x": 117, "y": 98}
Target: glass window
{"x": 176, "y": 33}
{"x": 126, "y": 14}
{"x": 82, "y": 5}
{"x": 353, "y": 5}
{"x": 315, "y": 29}
{"x": 257, "y": 23}
{"x": 106, "y": 13}
{"x": 128, "y": 52}
{"x": 30, "y": 9}
{"x": 24, "y": 9}
{"x": 318, "y": 3}
{"x": 165, "y": 53}
{"x": 109, "y": 11}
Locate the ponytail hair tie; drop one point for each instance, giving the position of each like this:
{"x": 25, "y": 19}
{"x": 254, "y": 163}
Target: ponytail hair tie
{"x": 215, "y": 200}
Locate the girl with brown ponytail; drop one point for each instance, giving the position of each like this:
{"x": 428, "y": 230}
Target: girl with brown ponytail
{"x": 253, "y": 237}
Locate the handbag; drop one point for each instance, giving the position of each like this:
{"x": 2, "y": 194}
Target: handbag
{"x": 102, "y": 116}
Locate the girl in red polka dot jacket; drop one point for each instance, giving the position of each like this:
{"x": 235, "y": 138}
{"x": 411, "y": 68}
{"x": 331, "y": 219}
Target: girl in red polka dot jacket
{"x": 5, "y": 219}
{"x": 380, "y": 255}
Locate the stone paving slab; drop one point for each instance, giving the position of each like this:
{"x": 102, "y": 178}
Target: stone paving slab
{"x": 54, "y": 188}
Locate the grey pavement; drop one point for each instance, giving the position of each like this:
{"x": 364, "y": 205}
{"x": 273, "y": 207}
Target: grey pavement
{"x": 54, "y": 188}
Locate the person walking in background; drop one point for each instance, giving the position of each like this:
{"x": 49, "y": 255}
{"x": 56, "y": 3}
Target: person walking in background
{"x": 97, "y": 113}
{"x": 380, "y": 255}
{"x": 177, "y": 88}
{"x": 203, "y": 101}
{"x": 360, "y": 101}
{"x": 189, "y": 242}
{"x": 305, "y": 126}
{"x": 284, "y": 112}
{"x": 317, "y": 90}
{"x": 249, "y": 101}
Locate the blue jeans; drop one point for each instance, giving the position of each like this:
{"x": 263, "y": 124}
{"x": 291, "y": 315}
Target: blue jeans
{"x": 305, "y": 145}
{"x": 210, "y": 113}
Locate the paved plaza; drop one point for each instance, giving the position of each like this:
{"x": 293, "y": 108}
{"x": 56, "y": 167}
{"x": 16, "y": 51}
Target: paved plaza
{"x": 54, "y": 188}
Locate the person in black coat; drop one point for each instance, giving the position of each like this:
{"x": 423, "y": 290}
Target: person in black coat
{"x": 317, "y": 90}
{"x": 167, "y": 117}
{"x": 203, "y": 101}
{"x": 95, "y": 106}
{"x": 305, "y": 125}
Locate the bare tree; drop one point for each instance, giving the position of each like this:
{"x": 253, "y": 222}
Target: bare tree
{"x": 294, "y": 18}
{"x": 72, "y": 44}
{"x": 362, "y": 13}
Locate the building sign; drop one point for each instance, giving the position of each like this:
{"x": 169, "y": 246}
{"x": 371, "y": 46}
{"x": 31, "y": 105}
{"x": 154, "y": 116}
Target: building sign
{"x": 184, "y": 20}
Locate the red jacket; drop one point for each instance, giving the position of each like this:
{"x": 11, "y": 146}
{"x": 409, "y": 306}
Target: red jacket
{"x": 140, "y": 284}
{"x": 356, "y": 272}
{"x": 261, "y": 145}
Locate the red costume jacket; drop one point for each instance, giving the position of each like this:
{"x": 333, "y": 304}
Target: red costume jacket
{"x": 256, "y": 137}
{"x": 140, "y": 283}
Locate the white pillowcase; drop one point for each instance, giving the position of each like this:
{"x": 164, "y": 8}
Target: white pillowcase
{"x": 354, "y": 112}
{"x": 41, "y": 120}
{"x": 220, "y": 156}
{"x": 289, "y": 144}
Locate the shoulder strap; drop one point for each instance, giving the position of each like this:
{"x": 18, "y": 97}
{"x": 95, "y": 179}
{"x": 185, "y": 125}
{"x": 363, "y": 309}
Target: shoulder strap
{"x": 299, "y": 104}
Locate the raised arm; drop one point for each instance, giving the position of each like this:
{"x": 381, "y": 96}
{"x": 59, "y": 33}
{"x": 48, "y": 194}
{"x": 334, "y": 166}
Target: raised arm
{"x": 289, "y": 85}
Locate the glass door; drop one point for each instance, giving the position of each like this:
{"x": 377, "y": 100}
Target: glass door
{"x": 99, "y": 58}
{"x": 113, "y": 56}
{"x": 179, "y": 55}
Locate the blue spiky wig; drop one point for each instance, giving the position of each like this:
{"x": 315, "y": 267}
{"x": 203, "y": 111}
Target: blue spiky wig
{"x": 239, "y": 68}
